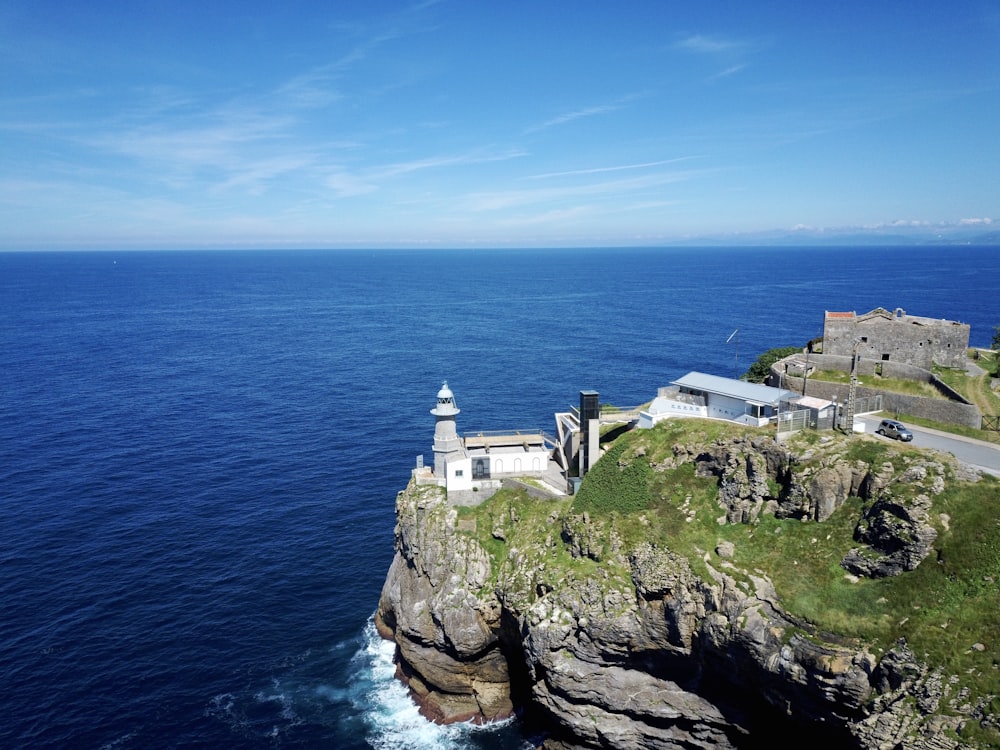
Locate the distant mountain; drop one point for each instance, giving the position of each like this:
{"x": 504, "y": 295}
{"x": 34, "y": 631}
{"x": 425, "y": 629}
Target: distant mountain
{"x": 941, "y": 236}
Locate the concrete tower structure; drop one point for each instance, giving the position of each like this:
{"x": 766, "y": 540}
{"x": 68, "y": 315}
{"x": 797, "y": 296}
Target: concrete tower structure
{"x": 446, "y": 440}
{"x": 590, "y": 430}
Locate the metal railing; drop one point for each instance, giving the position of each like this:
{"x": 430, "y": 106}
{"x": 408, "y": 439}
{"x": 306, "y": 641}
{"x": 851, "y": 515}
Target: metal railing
{"x": 503, "y": 433}
{"x": 792, "y": 421}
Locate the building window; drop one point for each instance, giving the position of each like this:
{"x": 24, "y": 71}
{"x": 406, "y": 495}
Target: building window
{"x": 458, "y": 472}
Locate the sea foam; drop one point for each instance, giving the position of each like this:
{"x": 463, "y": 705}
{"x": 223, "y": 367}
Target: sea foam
{"x": 392, "y": 717}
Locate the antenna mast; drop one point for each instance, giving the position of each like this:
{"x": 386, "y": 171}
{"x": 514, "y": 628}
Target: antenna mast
{"x": 736, "y": 362}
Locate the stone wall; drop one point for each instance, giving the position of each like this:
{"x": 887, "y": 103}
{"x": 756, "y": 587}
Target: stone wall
{"x": 954, "y": 410}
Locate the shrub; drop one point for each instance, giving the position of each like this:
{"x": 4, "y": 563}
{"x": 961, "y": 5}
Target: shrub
{"x": 608, "y": 487}
{"x": 760, "y": 369}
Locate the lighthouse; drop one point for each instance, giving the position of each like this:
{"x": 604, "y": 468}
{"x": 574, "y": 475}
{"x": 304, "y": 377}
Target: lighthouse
{"x": 446, "y": 440}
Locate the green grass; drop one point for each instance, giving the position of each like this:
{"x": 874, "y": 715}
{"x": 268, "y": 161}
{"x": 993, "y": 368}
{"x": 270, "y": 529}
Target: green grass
{"x": 803, "y": 562}
{"x": 609, "y": 487}
{"x": 975, "y": 388}
{"x": 532, "y": 533}
{"x": 895, "y": 385}
{"x": 872, "y": 452}
{"x": 639, "y": 492}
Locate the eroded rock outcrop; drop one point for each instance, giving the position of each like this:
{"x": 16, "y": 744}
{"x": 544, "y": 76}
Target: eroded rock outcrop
{"x": 447, "y": 636}
{"x": 617, "y": 645}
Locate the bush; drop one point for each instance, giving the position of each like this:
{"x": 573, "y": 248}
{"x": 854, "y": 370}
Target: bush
{"x": 609, "y": 488}
{"x": 760, "y": 369}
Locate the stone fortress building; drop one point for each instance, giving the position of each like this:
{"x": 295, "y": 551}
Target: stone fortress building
{"x": 882, "y": 344}
{"x": 883, "y": 336}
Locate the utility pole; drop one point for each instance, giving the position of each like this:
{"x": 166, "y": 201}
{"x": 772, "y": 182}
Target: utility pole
{"x": 852, "y": 391}
{"x": 805, "y": 373}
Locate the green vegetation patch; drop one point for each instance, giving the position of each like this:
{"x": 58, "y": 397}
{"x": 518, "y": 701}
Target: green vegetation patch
{"x": 523, "y": 537}
{"x": 761, "y": 368}
{"x": 613, "y": 485}
{"x": 976, "y": 389}
{"x": 872, "y": 452}
{"x": 624, "y": 481}
{"x": 802, "y": 560}
{"x": 895, "y": 385}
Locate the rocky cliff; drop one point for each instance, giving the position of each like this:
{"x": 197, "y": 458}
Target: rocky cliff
{"x": 646, "y": 613}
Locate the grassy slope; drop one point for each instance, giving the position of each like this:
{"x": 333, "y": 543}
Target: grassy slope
{"x": 942, "y": 608}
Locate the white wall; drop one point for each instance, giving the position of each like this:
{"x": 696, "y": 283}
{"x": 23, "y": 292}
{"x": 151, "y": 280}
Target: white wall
{"x": 725, "y": 407}
{"x": 663, "y": 408}
{"x": 459, "y": 474}
{"x": 535, "y": 459}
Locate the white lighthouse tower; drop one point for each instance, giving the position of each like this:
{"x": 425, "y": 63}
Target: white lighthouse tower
{"x": 446, "y": 440}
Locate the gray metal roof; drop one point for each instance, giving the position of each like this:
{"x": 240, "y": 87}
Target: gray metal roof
{"x": 765, "y": 394}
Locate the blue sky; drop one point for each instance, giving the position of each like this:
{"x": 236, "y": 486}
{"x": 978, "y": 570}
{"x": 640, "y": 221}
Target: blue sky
{"x": 452, "y": 123}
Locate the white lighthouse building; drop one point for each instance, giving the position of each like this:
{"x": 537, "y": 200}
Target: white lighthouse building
{"x": 447, "y": 444}
{"x": 472, "y": 468}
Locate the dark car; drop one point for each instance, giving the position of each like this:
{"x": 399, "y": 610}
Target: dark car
{"x": 892, "y": 428}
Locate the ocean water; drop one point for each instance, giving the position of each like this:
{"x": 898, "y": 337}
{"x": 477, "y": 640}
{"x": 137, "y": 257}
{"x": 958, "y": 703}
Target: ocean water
{"x": 200, "y": 451}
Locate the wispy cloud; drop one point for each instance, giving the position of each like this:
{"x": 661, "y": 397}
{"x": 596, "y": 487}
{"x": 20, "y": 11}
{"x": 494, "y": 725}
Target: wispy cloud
{"x": 646, "y": 205}
{"x": 256, "y": 175}
{"x": 434, "y": 162}
{"x": 562, "y": 119}
{"x": 720, "y": 49}
{"x": 731, "y": 70}
{"x": 346, "y": 183}
{"x": 311, "y": 90}
{"x": 619, "y": 168}
{"x": 222, "y": 149}
{"x": 709, "y": 45}
{"x": 425, "y": 4}
{"x": 583, "y": 112}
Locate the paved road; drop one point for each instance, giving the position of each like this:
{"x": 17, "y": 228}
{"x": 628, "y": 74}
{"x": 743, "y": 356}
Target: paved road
{"x": 982, "y": 455}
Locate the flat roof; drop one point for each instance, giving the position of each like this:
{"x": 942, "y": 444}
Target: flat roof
{"x": 740, "y": 389}
{"x": 811, "y": 402}
{"x": 503, "y": 450}
{"x": 503, "y": 439}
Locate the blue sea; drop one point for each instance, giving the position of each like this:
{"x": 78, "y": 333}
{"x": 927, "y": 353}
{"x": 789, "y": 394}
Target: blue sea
{"x": 200, "y": 452}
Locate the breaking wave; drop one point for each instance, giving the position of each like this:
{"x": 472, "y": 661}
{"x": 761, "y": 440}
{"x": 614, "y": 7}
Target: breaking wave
{"x": 391, "y": 717}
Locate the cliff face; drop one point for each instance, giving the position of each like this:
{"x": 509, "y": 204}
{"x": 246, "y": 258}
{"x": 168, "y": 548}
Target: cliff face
{"x": 610, "y": 638}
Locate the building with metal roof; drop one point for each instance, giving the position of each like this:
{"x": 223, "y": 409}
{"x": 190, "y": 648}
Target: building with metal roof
{"x": 702, "y": 395}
